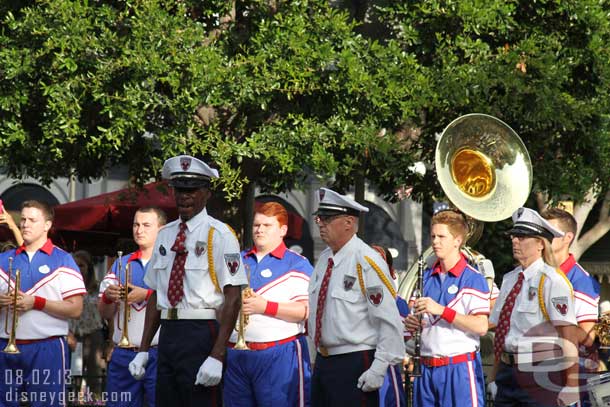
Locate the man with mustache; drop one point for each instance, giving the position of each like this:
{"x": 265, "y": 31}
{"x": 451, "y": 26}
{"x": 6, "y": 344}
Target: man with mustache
{"x": 197, "y": 274}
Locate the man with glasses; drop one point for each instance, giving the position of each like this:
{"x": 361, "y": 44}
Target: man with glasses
{"x": 197, "y": 274}
{"x": 353, "y": 318}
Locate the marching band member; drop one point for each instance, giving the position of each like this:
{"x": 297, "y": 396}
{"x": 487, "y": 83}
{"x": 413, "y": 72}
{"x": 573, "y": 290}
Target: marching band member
{"x": 50, "y": 293}
{"x": 276, "y": 370}
{"x": 535, "y": 302}
{"x": 454, "y": 308}
{"x": 586, "y": 288}
{"x": 353, "y": 318}
{"x": 197, "y": 274}
{"x": 391, "y": 393}
{"x": 146, "y": 224}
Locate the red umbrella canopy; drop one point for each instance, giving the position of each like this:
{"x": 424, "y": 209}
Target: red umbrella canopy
{"x": 109, "y": 216}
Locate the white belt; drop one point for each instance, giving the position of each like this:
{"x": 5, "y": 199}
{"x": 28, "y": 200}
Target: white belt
{"x": 339, "y": 350}
{"x": 188, "y": 313}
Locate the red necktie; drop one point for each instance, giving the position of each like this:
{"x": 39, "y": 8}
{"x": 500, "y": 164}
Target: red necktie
{"x": 504, "y": 320}
{"x": 322, "y": 301}
{"x": 175, "y": 289}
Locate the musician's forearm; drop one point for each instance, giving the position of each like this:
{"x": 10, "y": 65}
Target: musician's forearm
{"x": 228, "y": 317}
{"x": 151, "y": 323}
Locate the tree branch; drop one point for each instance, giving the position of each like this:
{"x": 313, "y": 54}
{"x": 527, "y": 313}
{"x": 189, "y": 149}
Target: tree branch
{"x": 602, "y": 226}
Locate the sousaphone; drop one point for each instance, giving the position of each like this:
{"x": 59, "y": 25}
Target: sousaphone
{"x": 485, "y": 171}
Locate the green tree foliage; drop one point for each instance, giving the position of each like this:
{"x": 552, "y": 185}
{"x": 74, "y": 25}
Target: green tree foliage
{"x": 273, "y": 91}
{"x": 280, "y": 92}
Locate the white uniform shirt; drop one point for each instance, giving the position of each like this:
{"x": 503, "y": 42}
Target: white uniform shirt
{"x": 462, "y": 289}
{"x": 280, "y": 276}
{"x": 527, "y": 318}
{"x": 351, "y": 321}
{"x": 135, "y": 323}
{"x": 199, "y": 290}
{"x": 51, "y": 274}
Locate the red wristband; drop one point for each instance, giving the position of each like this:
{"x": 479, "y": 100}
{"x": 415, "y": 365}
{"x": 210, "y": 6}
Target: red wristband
{"x": 148, "y": 294}
{"x": 105, "y": 299}
{"x": 448, "y": 314}
{"x": 39, "y": 303}
{"x": 271, "y": 308}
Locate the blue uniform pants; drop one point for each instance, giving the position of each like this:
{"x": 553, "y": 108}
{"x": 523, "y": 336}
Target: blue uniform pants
{"x": 183, "y": 346}
{"x": 122, "y": 389}
{"x": 278, "y": 376}
{"x": 392, "y": 393}
{"x": 335, "y": 380}
{"x": 461, "y": 384}
{"x": 39, "y": 374}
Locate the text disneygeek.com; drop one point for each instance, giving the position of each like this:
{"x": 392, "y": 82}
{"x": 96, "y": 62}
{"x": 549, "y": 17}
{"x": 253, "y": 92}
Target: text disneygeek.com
{"x": 66, "y": 397}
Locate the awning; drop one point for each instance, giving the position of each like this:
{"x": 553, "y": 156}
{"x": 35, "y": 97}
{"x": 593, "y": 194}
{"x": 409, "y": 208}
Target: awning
{"x": 97, "y": 223}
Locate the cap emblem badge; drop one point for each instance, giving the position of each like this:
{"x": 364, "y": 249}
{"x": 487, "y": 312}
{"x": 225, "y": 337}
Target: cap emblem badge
{"x": 185, "y": 163}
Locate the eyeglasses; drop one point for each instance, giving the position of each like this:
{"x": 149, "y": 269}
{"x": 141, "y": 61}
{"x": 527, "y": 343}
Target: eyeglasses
{"x": 326, "y": 219}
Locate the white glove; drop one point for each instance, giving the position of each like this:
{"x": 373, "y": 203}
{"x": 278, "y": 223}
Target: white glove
{"x": 492, "y": 389}
{"x": 137, "y": 367}
{"x": 568, "y": 396}
{"x": 210, "y": 372}
{"x": 372, "y": 379}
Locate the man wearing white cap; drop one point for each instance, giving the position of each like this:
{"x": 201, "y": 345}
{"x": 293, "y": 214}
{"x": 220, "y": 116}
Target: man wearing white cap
{"x": 353, "y": 318}
{"x": 197, "y": 274}
{"x": 534, "y": 311}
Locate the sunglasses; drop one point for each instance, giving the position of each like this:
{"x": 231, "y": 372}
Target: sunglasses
{"x": 326, "y": 219}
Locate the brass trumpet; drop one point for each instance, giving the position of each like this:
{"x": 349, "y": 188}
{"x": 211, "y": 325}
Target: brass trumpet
{"x": 11, "y": 346}
{"x": 242, "y": 322}
{"x": 124, "y": 341}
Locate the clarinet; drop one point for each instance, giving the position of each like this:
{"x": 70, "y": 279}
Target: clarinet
{"x": 417, "y": 294}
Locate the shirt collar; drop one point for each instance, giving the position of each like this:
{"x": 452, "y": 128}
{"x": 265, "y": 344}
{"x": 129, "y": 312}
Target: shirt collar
{"x": 46, "y": 248}
{"x": 345, "y": 251}
{"x": 196, "y": 220}
{"x": 278, "y": 252}
{"x": 568, "y": 264}
{"x": 531, "y": 271}
{"x": 456, "y": 270}
{"x": 137, "y": 255}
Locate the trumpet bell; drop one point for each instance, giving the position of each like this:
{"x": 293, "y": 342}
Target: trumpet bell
{"x": 483, "y": 167}
{"x": 11, "y": 348}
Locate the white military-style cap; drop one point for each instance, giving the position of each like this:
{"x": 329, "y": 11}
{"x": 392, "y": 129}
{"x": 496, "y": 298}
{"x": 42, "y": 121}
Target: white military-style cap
{"x": 528, "y": 222}
{"x": 332, "y": 203}
{"x": 184, "y": 171}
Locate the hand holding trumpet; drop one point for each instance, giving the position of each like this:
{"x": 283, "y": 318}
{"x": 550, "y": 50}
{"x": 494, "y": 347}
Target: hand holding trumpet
{"x": 25, "y": 302}
{"x": 136, "y": 294}
{"x": 253, "y": 303}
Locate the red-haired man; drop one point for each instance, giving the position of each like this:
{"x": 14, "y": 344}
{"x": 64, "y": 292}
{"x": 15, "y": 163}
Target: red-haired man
{"x": 276, "y": 370}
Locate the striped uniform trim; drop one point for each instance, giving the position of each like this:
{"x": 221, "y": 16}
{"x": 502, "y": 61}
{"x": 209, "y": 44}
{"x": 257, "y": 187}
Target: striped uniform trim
{"x": 211, "y": 260}
{"x": 360, "y": 279}
{"x": 301, "y": 368}
{"x": 63, "y": 367}
{"x": 382, "y": 276}
{"x": 472, "y": 381}
{"x": 394, "y": 385}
